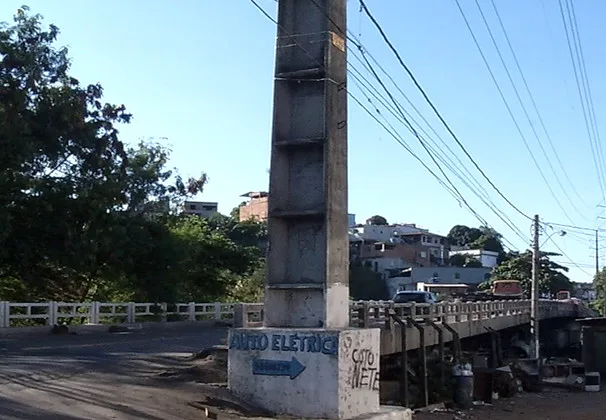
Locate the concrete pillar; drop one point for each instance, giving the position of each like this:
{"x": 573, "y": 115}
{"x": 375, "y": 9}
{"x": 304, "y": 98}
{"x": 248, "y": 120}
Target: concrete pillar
{"x": 308, "y": 258}
{"x": 306, "y": 361}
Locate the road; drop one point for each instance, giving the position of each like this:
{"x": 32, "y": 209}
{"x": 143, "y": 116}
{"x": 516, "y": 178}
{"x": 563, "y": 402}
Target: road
{"x": 100, "y": 375}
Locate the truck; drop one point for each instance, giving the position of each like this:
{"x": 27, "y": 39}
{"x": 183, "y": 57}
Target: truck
{"x": 506, "y": 290}
{"x": 500, "y": 290}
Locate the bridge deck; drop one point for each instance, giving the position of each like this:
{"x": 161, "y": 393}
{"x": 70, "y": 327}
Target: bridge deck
{"x": 466, "y": 318}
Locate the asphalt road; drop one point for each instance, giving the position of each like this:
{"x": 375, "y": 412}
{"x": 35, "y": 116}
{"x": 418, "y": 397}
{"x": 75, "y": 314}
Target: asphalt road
{"x": 100, "y": 375}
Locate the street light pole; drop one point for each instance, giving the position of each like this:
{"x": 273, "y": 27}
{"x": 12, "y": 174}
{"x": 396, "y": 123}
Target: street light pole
{"x": 534, "y": 294}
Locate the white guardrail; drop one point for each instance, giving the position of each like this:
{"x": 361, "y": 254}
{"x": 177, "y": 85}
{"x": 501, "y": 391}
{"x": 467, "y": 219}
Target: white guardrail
{"x": 363, "y": 313}
{"x": 51, "y": 313}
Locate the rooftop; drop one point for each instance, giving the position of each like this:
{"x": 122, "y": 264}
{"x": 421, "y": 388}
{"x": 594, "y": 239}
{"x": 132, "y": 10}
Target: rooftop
{"x": 255, "y": 194}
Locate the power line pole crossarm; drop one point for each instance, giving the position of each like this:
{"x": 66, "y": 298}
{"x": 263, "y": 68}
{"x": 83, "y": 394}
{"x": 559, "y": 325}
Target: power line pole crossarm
{"x": 534, "y": 294}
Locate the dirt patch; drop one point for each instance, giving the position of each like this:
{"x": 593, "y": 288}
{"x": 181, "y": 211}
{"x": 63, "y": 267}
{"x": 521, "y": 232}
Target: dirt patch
{"x": 551, "y": 404}
{"x": 206, "y": 367}
{"x": 220, "y": 403}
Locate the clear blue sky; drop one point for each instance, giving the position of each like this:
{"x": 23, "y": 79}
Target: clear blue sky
{"x": 199, "y": 73}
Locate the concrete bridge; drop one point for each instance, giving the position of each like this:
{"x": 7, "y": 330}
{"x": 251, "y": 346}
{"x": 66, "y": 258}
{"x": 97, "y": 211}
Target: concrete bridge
{"x": 466, "y": 319}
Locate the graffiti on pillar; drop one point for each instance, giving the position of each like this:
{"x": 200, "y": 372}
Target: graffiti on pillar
{"x": 365, "y": 370}
{"x": 303, "y": 343}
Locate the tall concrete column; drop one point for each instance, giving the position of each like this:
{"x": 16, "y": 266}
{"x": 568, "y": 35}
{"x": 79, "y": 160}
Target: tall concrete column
{"x": 308, "y": 260}
{"x": 306, "y": 361}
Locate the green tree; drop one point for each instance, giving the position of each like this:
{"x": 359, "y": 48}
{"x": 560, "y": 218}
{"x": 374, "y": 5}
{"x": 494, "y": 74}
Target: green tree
{"x": 365, "y": 284}
{"x": 551, "y": 274}
{"x": 485, "y": 238}
{"x": 462, "y": 260}
{"x": 599, "y": 283}
{"x": 377, "y": 220}
{"x": 82, "y": 216}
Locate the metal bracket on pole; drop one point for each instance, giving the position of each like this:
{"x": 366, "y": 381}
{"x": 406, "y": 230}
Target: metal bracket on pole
{"x": 404, "y": 398}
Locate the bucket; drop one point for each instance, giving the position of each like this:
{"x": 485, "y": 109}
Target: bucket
{"x": 462, "y": 379}
{"x": 592, "y": 382}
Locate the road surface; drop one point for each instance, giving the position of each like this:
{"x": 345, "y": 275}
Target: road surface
{"x": 100, "y": 375}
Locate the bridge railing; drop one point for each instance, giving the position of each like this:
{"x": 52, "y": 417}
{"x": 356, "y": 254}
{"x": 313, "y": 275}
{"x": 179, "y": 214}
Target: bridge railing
{"x": 50, "y": 313}
{"x": 363, "y": 313}
{"x": 376, "y": 313}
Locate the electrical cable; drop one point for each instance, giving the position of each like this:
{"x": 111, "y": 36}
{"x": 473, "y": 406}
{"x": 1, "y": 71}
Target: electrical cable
{"x": 592, "y": 140}
{"x": 399, "y": 140}
{"x": 510, "y": 112}
{"x": 536, "y": 109}
{"x": 435, "y": 110}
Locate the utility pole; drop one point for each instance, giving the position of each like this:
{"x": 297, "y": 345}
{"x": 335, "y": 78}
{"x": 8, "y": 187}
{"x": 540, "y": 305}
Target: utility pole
{"x": 307, "y": 283}
{"x": 597, "y": 255}
{"x": 534, "y": 294}
{"x": 597, "y": 270}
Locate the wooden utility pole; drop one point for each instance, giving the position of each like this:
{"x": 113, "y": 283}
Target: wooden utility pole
{"x": 534, "y": 294}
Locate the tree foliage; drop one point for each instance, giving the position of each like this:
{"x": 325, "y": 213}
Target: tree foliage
{"x": 462, "y": 260}
{"x": 485, "y": 238}
{"x": 84, "y": 216}
{"x": 599, "y": 283}
{"x": 377, "y": 220}
{"x": 552, "y": 277}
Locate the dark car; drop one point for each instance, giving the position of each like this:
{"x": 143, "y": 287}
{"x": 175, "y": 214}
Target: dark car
{"x": 414, "y": 296}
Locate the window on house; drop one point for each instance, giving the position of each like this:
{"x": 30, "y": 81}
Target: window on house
{"x": 423, "y": 254}
{"x": 457, "y": 276}
{"x": 192, "y": 206}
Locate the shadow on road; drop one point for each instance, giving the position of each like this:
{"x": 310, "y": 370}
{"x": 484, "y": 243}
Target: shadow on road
{"x": 12, "y": 410}
{"x": 104, "y": 377}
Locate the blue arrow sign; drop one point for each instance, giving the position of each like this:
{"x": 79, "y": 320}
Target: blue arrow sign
{"x": 291, "y": 368}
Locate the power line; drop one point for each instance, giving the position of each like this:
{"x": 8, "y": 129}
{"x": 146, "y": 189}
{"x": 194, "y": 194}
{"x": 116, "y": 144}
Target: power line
{"x": 580, "y": 228}
{"x": 534, "y": 104}
{"x": 397, "y": 109}
{"x": 506, "y": 103}
{"x": 368, "y": 66}
{"x": 592, "y": 140}
{"x": 400, "y": 111}
{"x": 391, "y": 131}
{"x": 570, "y": 259}
{"x": 586, "y": 85}
{"x": 434, "y": 109}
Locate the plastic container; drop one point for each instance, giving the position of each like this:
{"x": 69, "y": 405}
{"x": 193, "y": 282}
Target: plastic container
{"x": 462, "y": 381}
{"x": 592, "y": 382}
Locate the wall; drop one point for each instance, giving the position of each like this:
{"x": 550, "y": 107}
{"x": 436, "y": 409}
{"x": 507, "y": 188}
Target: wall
{"x": 203, "y": 209}
{"x": 487, "y": 258}
{"x": 256, "y": 209}
{"x": 451, "y": 274}
{"x": 413, "y": 255}
{"x": 445, "y": 275}
{"x": 384, "y": 233}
